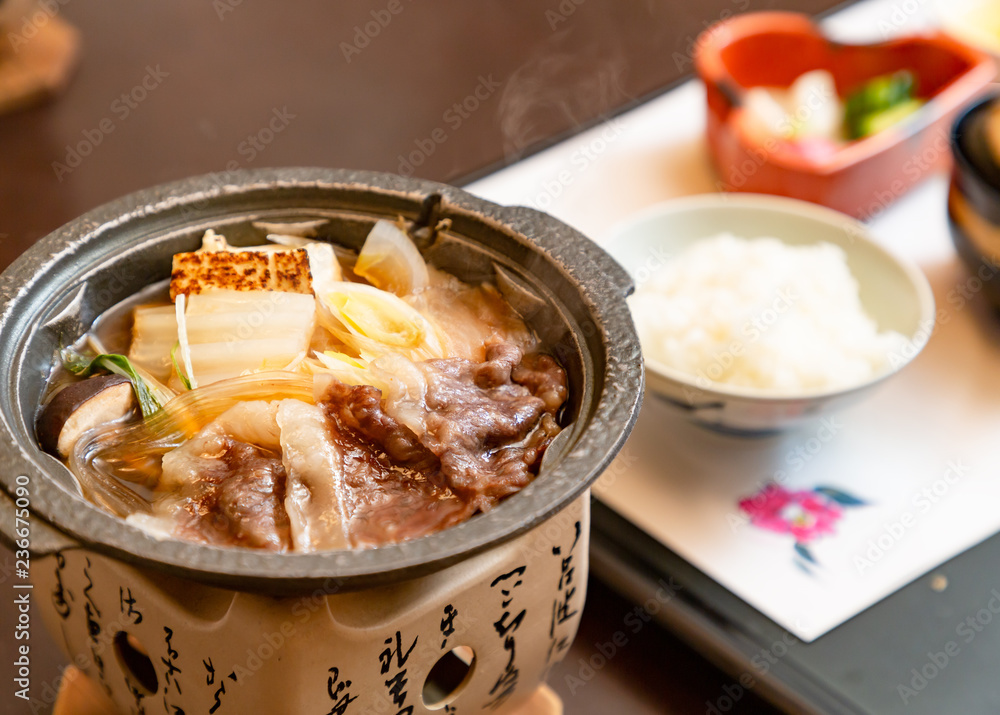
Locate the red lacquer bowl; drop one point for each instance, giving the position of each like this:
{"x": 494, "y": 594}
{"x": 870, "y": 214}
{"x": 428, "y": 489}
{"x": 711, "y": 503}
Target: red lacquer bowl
{"x": 864, "y": 176}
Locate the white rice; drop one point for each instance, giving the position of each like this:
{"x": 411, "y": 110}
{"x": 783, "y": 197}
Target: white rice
{"x": 760, "y": 313}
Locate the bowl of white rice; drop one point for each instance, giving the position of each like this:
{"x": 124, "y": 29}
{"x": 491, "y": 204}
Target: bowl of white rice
{"x": 757, "y": 313}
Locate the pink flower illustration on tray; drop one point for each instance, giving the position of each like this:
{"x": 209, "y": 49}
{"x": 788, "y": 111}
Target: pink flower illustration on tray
{"x": 807, "y": 515}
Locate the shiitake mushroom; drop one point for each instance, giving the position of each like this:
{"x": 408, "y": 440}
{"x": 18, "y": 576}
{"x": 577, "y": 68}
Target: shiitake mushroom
{"x": 81, "y": 406}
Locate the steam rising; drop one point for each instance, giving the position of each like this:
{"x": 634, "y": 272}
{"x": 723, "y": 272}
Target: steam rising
{"x": 559, "y": 88}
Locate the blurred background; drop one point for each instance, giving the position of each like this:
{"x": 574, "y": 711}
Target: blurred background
{"x": 152, "y": 92}
{"x": 165, "y": 91}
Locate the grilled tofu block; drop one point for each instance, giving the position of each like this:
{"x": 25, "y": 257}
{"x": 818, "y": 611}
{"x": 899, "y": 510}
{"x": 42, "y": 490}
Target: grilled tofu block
{"x": 203, "y": 271}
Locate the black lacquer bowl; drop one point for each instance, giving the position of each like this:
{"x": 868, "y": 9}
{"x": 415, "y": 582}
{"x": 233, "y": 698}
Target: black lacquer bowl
{"x": 974, "y": 198}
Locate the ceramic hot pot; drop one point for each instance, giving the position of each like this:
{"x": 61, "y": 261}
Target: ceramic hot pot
{"x": 469, "y": 618}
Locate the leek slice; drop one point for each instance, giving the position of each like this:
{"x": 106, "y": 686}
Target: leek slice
{"x": 82, "y": 366}
{"x": 390, "y": 261}
{"x": 185, "y": 380}
{"x": 374, "y": 322}
{"x": 185, "y": 343}
{"x": 350, "y": 371}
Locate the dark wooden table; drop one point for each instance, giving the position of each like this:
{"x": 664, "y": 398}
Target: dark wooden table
{"x": 443, "y": 89}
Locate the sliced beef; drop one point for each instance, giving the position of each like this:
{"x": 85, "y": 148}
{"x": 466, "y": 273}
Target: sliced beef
{"x": 488, "y": 431}
{"x": 393, "y": 487}
{"x": 231, "y": 493}
{"x": 483, "y": 438}
{"x": 359, "y": 410}
{"x": 389, "y": 503}
{"x": 287, "y": 475}
{"x": 544, "y": 378}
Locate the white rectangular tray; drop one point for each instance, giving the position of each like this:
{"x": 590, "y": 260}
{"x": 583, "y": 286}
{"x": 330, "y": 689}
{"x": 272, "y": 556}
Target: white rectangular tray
{"x": 919, "y": 452}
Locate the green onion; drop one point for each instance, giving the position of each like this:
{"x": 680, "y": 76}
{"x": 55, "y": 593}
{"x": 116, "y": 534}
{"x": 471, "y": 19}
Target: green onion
{"x": 185, "y": 380}
{"x": 83, "y": 366}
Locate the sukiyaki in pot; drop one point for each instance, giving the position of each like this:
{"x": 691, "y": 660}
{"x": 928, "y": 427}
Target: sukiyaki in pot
{"x": 355, "y": 413}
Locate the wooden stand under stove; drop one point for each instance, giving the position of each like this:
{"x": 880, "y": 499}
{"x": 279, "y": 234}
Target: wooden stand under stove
{"x": 79, "y": 695}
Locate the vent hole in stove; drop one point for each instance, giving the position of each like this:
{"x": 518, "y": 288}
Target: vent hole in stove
{"x": 134, "y": 660}
{"x": 448, "y": 677}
